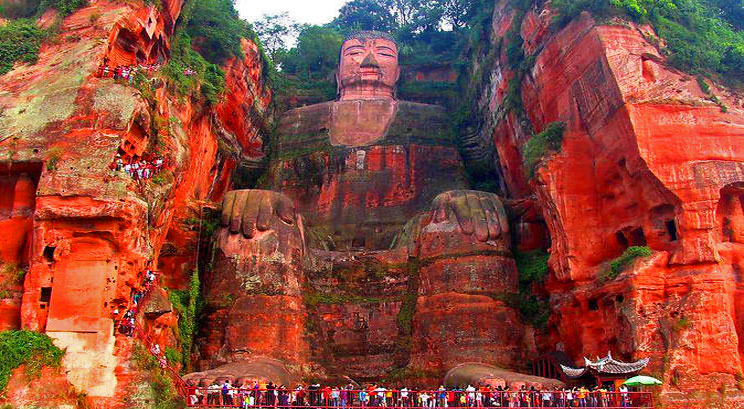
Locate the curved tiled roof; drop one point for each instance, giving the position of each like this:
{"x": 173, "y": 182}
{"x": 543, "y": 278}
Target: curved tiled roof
{"x": 606, "y": 365}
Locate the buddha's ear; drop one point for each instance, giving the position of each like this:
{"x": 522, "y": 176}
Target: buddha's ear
{"x": 338, "y": 84}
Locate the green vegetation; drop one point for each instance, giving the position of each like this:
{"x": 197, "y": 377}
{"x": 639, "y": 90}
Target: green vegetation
{"x": 164, "y": 177}
{"x": 315, "y": 298}
{"x": 189, "y": 305}
{"x": 161, "y": 387}
{"x": 216, "y": 29}
{"x": 173, "y": 355}
{"x": 701, "y": 36}
{"x": 532, "y": 265}
{"x": 682, "y": 324}
{"x": 545, "y": 143}
{"x": 208, "y": 79}
{"x": 33, "y": 349}
{"x": 14, "y": 276}
{"x": 65, "y": 7}
{"x": 533, "y": 269}
{"x": 619, "y": 264}
{"x": 534, "y": 309}
{"x": 20, "y": 40}
{"x": 53, "y": 156}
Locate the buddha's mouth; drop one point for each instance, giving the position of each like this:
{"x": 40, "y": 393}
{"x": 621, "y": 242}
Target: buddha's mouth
{"x": 370, "y": 73}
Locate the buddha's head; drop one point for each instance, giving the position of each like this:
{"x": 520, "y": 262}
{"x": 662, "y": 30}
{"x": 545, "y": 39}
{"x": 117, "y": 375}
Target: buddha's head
{"x": 369, "y": 66}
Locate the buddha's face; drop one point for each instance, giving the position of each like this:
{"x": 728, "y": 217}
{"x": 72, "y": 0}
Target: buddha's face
{"x": 368, "y": 69}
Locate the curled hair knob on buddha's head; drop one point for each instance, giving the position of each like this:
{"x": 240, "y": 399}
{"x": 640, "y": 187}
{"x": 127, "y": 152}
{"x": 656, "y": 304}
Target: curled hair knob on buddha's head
{"x": 364, "y": 35}
{"x": 368, "y": 66}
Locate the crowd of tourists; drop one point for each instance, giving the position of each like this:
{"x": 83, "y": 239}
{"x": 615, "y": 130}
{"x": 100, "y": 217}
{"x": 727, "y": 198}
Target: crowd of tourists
{"x": 125, "y": 72}
{"x": 142, "y": 169}
{"x": 126, "y": 322}
{"x": 268, "y": 395}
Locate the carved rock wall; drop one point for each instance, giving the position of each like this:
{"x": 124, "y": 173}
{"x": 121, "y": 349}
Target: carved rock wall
{"x": 646, "y": 160}
{"x": 84, "y": 231}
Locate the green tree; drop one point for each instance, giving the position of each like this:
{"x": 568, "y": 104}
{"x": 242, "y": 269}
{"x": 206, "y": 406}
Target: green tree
{"x": 215, "y": 29}
{"x": 365, "y": 15}
{"x": 20, "y": 40}
{"x": 274, "y": 30}
{"x": 316, "y": 52}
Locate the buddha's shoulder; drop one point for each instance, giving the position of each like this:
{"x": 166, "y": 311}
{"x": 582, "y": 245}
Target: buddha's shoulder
{"x": 307, "y": 119}
{"x": 421, "y": 123}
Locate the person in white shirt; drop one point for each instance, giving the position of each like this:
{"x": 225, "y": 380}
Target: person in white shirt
{"x": 471, "y": 395}
{"x": 381, "y": 396}
{"x": 623, "y": 395}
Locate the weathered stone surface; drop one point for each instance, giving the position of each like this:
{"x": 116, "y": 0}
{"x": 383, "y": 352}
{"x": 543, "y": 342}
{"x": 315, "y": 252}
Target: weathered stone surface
{"x": 646, "y": 159}
{"x": 477, "y": 374}
{"x": 85, "y": 231}
{"x": 242, "y": 373}
{"x": 361, "y": 197}
{"x": 255, "y": 285}
{"x": 451, "y": 328}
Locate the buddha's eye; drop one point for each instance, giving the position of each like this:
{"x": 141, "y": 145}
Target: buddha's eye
{"x": 387, "y": 55}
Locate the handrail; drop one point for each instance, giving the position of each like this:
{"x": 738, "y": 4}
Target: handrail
{"x": 396, "y": 399}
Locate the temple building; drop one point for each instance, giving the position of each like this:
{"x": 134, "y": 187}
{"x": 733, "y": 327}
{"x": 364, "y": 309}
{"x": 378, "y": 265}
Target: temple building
{"x": 604, "y": 370}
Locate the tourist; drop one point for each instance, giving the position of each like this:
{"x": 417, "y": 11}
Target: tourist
{"x": 623, "y": 396}
{"x": 343, "y": 396}
{"x": 155, "y": 349}
{"x": 226, "y": 396}
{"x": 300, "y": 395}
{"x": 381, "y": 396}
{"x": 363, "y": 397}
{"x": 195, "y": 396}
{"x": 547, "y": 398}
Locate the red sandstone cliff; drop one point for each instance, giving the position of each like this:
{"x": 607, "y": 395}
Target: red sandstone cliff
{"x": 84, "y": 231}
{"x": 646, "y": 159}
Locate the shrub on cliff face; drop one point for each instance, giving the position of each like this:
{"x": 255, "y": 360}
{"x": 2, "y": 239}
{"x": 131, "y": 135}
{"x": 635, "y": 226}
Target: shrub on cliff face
{"x": 188, "y": 304}
{"x": 619, "y": 264}
{"x": 545, "y": 143}
{"x": 20, "y": 40}
{"x": 207, "y": 77}
{"x": 33, "y": 349}
{"x": 64, "y": 7}
{"x": 532, "y": 265}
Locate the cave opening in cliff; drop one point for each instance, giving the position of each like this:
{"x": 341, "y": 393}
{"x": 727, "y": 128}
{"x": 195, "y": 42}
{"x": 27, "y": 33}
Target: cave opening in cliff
{"x": 631, "y": 237}
{"x": 46, "y": 294}
{"x": 671, "y": 229}
{"x": 48, "y": 254}
{"x": 593, "y": 305}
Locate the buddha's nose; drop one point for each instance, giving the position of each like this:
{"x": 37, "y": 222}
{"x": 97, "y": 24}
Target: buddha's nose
{"x": 370, "y": 62}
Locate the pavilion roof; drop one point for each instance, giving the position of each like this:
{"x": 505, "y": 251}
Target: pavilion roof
{"x": 605, "y": 366}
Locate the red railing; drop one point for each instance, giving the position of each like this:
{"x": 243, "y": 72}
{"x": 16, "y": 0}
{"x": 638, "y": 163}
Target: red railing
{"x": 284, "y": 399}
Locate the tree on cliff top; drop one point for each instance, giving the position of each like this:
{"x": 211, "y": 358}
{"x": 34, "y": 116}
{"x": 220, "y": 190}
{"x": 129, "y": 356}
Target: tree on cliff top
{"x": 215, "y": 29}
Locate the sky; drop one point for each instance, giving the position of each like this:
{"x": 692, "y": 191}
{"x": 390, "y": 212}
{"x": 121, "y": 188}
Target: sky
{"x": 302, "y": 11}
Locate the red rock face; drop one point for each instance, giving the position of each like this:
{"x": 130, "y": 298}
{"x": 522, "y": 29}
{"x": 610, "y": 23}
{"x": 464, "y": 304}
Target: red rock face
{"x": 254, "y": 288}
{"x": 645, "y": 160}
{"x": 85, "y": 231}
{"x": 466, "y": 270}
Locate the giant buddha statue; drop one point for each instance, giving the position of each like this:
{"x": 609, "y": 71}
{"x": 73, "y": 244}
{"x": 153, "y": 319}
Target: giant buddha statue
{"x": 357, "y": 189}
{"x": 361, "y": 166}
